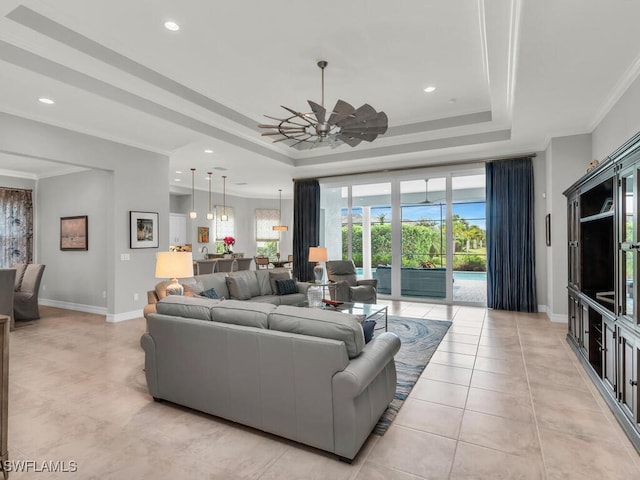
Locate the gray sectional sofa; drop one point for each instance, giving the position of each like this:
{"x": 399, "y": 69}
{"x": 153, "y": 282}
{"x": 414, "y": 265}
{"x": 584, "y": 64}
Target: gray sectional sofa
{"x": 250, "y": 285}
{"x": 301, "y": 373}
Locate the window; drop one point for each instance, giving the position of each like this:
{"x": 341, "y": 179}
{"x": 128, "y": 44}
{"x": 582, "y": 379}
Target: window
{"x": 16, "y": 227}
{"x": 265, "y": 221}
{"x": 266, "y": 237}
{"x": 226, "y": 228}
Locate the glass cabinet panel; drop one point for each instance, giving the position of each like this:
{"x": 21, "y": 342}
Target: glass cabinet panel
{"x": 628, "y": 234}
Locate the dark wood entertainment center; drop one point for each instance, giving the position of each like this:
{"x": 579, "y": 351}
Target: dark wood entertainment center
{"x": 603, "y": 250}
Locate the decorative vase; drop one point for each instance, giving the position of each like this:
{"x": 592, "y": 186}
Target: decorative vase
{"x": 314, "y": 296}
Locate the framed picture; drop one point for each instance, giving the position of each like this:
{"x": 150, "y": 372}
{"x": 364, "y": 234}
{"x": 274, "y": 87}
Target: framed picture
{"x": 547, "y": 228}
{"x": 143, "y": 229}
{"x": 203, "y": 234}
{"x": 74, "y": 233}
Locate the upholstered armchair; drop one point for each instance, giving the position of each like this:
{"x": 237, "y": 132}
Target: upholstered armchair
{"x": 7, "y": 287}
{"x": 27, "y": 286}
{"x": 344, "y": 287}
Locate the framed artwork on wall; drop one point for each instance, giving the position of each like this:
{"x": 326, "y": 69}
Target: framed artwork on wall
{"x": 203, "y": 234}
{"x": 143, "y": 229}
{"x": 74, "y": 233}
{"x": 547, "y": 225}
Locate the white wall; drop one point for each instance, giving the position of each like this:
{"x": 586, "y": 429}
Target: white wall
{"x": 138, "y": 182}
{"x": 539, "y": 211}
{"x": 567, "y": 160}
{"x": 85, "y": 282}
{"x": 619, "y": 125}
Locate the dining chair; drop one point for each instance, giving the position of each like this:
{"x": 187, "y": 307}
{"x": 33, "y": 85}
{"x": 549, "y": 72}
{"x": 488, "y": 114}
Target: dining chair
{"x": 261, "y": 262}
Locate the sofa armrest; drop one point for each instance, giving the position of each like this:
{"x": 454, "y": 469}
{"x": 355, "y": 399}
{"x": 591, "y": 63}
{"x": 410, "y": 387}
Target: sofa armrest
{"x": 363, "y": 369}
{"x": 152, "y": 297}
{"x": 303, "y": 287}
{"x": 368, "y": 281}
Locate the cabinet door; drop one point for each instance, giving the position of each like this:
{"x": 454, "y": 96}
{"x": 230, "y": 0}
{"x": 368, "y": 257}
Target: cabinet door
{"x": 584, "y": 330}
{"x": 574, "y": 312}
{"x": 177, "y": 229}
{"x": 628, "y": 352}
{"x": 628, "y": 235}
{"x": 573, "y": 236}
{"x": 609, "y": 355}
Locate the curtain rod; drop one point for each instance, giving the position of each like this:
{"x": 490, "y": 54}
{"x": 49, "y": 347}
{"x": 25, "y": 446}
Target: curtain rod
{"x": 15, "y": 188}
{"x": 420, "y": 167}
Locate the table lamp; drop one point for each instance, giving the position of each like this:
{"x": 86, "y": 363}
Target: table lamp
{"x": 318, "y": 255}
{"x": 174, "y": 265}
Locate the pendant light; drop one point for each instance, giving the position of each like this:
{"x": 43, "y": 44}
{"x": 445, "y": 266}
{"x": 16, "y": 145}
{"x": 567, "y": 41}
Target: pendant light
{"x": 193, "y": 214}
{"x": 280, "y": 227}
{"x": 224, "y": 217}
{"x": 209, "y": 212}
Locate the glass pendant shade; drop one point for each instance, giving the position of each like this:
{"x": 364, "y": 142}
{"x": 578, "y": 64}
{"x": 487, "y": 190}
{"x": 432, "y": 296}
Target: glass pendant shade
{"x": 280, "y": 227}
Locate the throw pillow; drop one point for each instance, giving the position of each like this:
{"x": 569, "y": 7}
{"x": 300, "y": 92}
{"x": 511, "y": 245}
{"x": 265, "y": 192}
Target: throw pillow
{"x": 368, "y": 327}
{"x": 211, "y": 293}
{"x": 273, "y": 276}
{"x": 193, "y": 289}
{"x": 238, "y": 288}
{"x": 286, "y": 287}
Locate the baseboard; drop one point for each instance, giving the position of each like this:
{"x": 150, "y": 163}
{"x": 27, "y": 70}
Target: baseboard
{"x": 557, "y": 317}
{"x": 121, "y": 317}
{"x": 78, "y": 307}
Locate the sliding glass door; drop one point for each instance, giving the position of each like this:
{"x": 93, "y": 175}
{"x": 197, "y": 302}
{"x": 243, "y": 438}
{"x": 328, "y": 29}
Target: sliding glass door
{"x": 422, "y": 238}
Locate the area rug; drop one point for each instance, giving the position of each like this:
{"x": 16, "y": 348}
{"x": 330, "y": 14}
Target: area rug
{"x": 420, "y": 338}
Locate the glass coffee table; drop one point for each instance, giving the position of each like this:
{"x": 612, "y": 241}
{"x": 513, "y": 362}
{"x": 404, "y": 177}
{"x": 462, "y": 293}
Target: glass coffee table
{"x": 371, "y": 311}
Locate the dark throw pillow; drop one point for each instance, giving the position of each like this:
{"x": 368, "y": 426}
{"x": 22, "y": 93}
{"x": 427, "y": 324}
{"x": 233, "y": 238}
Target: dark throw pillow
{"x": 286, "y": 287}
{"x": 368, "y": 327}
{"x": 211, "y": 293}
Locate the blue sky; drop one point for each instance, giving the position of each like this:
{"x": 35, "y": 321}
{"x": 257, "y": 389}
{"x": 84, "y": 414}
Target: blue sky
{"x": 474, "y": 213}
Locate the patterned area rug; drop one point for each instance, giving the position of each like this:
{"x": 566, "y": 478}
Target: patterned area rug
{"x": 420, "y": 338}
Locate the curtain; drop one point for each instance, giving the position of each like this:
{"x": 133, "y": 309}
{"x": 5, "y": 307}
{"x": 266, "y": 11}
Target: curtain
{"x": 511, "y": 276}
{"x": 16, "y": 227}
{"x": 306, "y": 226}
{"x": 265, "y": 221}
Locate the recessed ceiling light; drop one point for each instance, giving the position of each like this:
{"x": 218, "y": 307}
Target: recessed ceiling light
{"x": 177, "y": 180}
{"x": 173, "y": 26}
{"x": 219, "y": 168}
{"x": 46, "y": 101}
{"x": 208, "y": 150}
{"x": 178, "y": 172}
{"x": 430, "y": 89}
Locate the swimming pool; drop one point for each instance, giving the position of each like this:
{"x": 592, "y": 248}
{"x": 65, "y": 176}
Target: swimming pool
{"x": 457, "y": 275}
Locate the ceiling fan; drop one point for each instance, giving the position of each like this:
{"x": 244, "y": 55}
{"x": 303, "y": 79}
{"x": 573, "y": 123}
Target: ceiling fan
{"x": 344, "y": 125}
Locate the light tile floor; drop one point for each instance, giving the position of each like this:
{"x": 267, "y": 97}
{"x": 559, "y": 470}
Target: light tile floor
{"x": 503, "y": 397}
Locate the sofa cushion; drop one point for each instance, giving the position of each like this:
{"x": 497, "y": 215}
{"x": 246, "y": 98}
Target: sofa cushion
{"x": 249, "y": 314}
{"x": 238, "y": 288}
{"x": 192, "y": 287}
{"x": 293, "y": 299}
{"x": 217, "y": 281}
{"x": 251, "y": 280}
{"x": 211, "y": 293}
{"x": 273, "y": 276}
{"x": 320, "y": 323}
{"x": 286, "y": 286}
{"x": 190, "y": 307}
{"x": 264, "y": 282}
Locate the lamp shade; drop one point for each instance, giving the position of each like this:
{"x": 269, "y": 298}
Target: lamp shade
{"x": 318, "y": 254}
{"x": 174, "y": 265}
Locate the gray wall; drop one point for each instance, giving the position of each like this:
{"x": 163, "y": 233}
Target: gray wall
{"x": 15, "y": 182}
{"x": 85, "y": 193}
{"x": 567, "y": 160}
{"x": 619, "y": 125}
{"x": 138, "y": 182}
{"x": 540, "y": 211}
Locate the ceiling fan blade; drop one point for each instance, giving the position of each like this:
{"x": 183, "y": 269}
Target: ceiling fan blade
{"x": 341, "y": 111}
{"x": 351, "y": 141}
{"x": 318, "y": 110}
{"x": 298, "y": 114}
{"x": 283, "y": 127}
